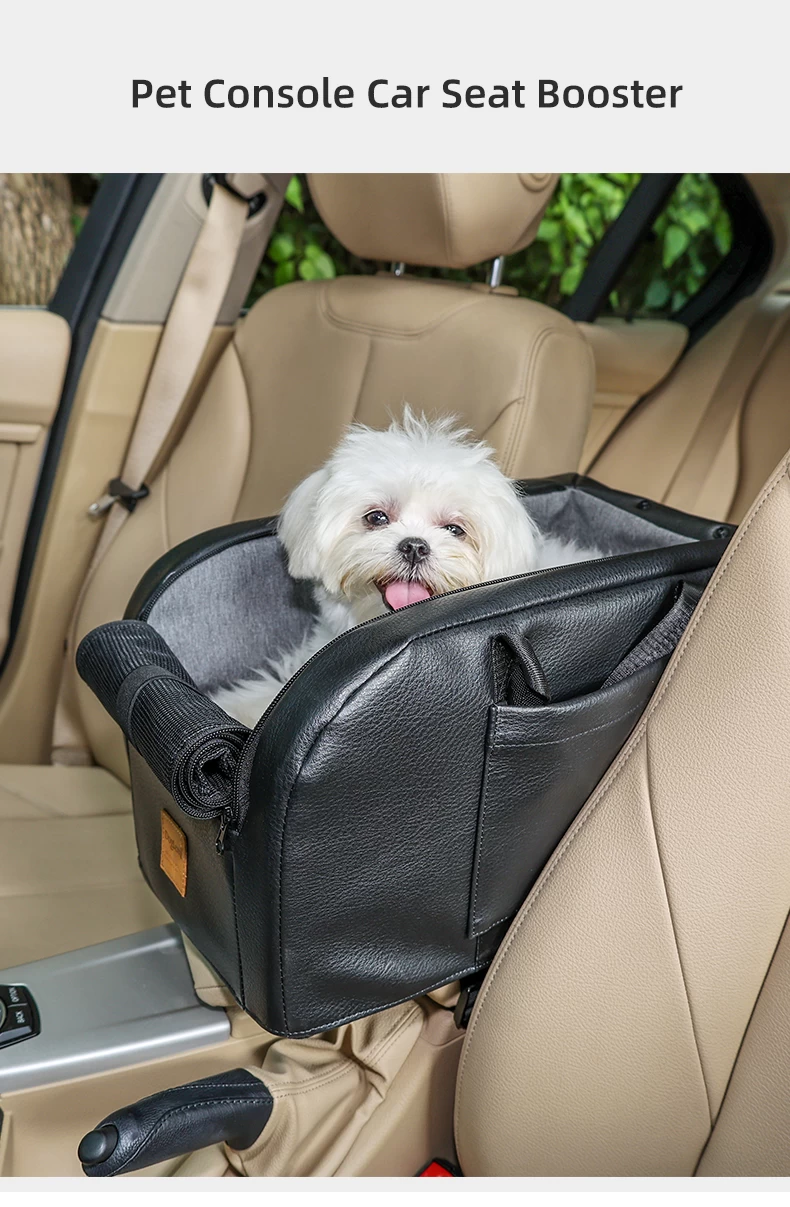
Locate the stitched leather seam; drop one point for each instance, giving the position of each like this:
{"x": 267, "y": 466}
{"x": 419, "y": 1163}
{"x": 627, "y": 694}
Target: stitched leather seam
{"x": 774, "y": 954}
{"x": 496, "y": 741}
{"x": 351, "y": 1018}
{"x": 617, "y": 767}
{"x": 514, "y": 402}
{"x": 581, "y": 734}
{"x": 223, "y": 1085}
{"x": 530, "y": 370}
{"x": 665, "y": 886}
{"x": 377, "y": 670}
{"x": 180, "y": 1110}
{"x": 392, "y": 333}
{"x": 474, "y": 299}
{"x": 483, "y": 811}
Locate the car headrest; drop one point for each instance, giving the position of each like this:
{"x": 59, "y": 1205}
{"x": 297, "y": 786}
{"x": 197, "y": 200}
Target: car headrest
{"x": 443, "y": 220}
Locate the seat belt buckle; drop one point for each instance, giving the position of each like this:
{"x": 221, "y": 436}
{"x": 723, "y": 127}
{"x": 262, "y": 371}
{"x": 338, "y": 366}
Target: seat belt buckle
{"x": 117, "y": 492}
{"x": 439, "y": 1168}
{"x": 255, "y": 202}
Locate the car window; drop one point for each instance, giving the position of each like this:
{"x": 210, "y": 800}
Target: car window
{"x": 41, "y": 215}
{"x": 583, "y": 207}
{"x": 686, "y": 243}
{"x": 690, "y": 237}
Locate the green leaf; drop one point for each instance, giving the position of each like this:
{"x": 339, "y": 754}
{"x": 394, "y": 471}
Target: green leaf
{"x": 313, "y": 251}
{"x": 694, "y": 219}
{"x": 285, "y": 272}
{"x": 569, "y": 281}
{"x": 282, "y": 247}
{"x": 676, "y": 240}
{"x": 576, "y": 221}
{"x": 307, "y": 270}
{"x": 548, "y": 230}
{"x": 294, "y": 195}
{"x": 657, "y": 294}
{"x": 324, "y": 267}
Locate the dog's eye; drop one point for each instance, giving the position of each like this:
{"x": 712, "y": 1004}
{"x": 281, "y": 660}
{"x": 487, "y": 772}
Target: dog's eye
{"x": 376, "y": 519}
{"x": 455, "y": 529}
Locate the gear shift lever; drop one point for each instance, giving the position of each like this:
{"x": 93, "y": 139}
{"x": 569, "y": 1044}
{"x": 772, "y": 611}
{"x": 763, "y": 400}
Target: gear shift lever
{"x": 233, "y": 1107}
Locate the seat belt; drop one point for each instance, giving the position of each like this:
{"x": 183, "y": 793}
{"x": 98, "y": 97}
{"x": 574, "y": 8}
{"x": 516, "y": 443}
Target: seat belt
{"x": 185, "y": 336}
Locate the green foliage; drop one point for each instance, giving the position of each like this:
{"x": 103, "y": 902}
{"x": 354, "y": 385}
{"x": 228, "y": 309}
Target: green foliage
{"x": 584, "y": 206}
{"x": 302, "y": 248}
{"x": 688, "y": 240}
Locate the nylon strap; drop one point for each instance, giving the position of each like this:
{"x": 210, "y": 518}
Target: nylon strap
{"x": 185, "y": 336}
{"x": 660, "y": 642}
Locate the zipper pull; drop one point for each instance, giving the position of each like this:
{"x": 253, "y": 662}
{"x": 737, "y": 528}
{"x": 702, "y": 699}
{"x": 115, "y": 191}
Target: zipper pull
{"x": 227, "y": 818}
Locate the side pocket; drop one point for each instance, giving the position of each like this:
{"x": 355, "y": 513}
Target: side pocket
{"x": 542, "y": 762}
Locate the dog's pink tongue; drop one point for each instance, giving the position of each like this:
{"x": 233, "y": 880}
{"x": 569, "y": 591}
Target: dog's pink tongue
{"x": 401, "y": 593}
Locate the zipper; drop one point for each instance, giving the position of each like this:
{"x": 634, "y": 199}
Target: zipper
{"x": 233, "y": 817}
{"x": 227, "y": 818}
{"x": 241, "y": 766}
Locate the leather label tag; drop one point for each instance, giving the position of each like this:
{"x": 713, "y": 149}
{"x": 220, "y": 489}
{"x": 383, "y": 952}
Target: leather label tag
{"x": 173, "y": 854}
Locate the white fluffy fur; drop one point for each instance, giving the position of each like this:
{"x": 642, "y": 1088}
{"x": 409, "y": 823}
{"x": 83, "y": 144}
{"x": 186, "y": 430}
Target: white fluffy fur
{"x": 424, "y": 475}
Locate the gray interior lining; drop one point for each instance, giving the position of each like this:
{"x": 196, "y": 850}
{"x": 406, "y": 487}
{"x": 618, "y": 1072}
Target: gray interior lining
{"x": 590, "y": 521}
{"x": 234, "y": 610}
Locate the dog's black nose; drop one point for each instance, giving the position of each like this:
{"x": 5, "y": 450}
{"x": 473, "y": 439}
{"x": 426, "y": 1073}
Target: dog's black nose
{"x": 414, "y": 550}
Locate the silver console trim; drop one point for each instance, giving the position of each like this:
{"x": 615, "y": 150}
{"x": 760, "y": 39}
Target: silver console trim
{"x": 109, "y": 1006}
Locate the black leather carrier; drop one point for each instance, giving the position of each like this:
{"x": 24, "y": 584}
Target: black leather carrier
{"x": 374, "y": 835}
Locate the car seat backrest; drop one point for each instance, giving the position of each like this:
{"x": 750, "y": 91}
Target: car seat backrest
{"x": 679, "y": 447}
{"x": 310, "y": 357}
{"x": 635, "y": 1020}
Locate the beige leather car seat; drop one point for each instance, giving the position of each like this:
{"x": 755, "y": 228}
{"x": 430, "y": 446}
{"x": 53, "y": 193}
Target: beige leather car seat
{"x": 308, "y": 358}
{"x": 706, "y": 439}
{"x": 635, "y": 1021}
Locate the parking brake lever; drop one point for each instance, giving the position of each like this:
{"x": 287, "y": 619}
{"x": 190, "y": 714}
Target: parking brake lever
{"x": 232, "y": 1107}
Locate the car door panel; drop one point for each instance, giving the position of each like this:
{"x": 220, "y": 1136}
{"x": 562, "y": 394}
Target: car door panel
{"x": 34, "y": 352}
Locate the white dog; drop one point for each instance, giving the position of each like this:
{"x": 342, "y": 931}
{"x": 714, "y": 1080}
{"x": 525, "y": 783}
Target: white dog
{"x": 393, "y": 518}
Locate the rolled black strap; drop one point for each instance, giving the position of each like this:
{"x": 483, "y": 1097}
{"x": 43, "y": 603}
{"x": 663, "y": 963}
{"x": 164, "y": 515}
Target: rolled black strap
{"x": 188, "y": 741}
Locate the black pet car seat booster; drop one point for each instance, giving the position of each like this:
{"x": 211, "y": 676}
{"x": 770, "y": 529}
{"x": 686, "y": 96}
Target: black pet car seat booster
{"x": 374, "y": 835}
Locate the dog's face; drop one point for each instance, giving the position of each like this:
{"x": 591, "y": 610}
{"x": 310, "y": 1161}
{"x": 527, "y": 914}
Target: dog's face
{"x": 398, "y": 516}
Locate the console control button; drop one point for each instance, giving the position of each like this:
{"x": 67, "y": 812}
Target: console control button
{"x": 13, "y": 995}
{"x": 18, "y": 1015}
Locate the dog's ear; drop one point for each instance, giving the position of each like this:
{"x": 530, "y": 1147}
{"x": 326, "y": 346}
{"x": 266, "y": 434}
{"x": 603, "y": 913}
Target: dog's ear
{"x": 298, "y": 525}
{"x": 510, "y": 536}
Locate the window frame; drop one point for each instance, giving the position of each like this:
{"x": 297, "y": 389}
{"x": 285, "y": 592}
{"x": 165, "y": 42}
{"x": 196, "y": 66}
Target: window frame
{"x": 101, "y": 246}
{"x": 737, "y": 275}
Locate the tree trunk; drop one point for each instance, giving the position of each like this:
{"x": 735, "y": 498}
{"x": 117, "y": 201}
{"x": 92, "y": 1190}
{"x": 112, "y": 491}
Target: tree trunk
{"x": 36, "y": 236}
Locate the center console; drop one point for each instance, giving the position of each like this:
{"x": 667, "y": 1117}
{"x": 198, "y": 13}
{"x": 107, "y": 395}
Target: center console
{"x": 105, "y": 1007}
